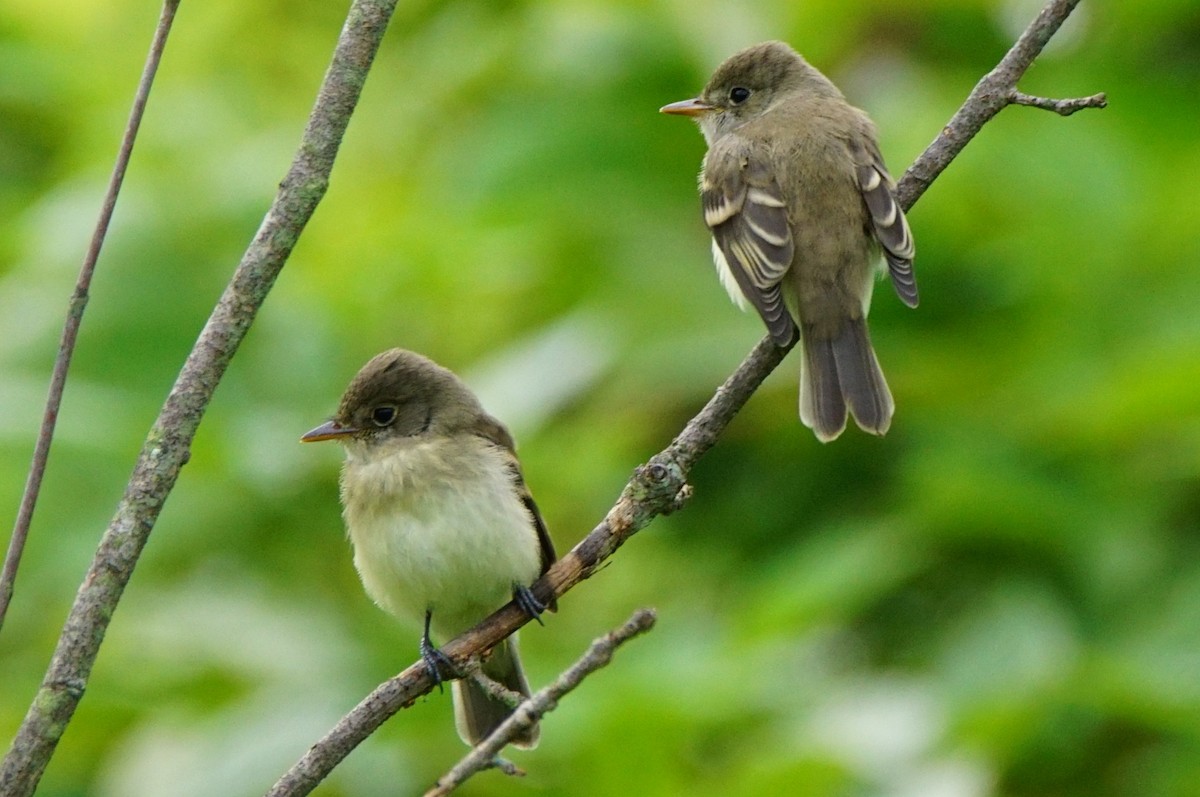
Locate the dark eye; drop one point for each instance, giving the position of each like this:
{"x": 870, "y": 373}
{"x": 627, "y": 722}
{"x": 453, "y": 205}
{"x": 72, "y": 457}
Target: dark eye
{"x": 383, "y": 415}
{"x": 739, "y": 94}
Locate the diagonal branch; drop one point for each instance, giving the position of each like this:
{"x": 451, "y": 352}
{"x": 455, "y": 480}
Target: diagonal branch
{"x": 79, "y": 299}
{"x": 166, "y": 449}
{"x": 598, "y": 655}
{"x": 660, "y": 486}
{"x": 992, "y": 94}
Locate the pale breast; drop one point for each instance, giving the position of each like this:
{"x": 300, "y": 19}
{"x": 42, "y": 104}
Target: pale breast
{"x": 439, "y": 527}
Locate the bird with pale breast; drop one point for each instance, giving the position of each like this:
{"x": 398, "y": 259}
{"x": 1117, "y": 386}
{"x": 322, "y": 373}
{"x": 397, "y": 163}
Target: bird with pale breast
{"x": 441, "y": 522}
{"x": 803, "y": 213}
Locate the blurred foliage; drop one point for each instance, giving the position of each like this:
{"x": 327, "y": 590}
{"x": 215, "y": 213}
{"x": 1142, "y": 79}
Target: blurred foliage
{"x": 1000, "y": 598}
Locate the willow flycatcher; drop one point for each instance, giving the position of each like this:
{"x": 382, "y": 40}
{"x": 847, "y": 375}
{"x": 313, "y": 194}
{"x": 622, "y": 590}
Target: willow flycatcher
{"x": 439, "y": 516}
{"x": 800, "y": 207}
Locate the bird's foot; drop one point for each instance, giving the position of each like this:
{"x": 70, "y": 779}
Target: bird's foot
{"x": 437, "y": 662}
{"x": 523, "y": 596}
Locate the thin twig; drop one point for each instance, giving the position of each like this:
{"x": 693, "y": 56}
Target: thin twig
{"x": 494, "y": 688}
{"x": 544, "y": 701}
{"x": 1060, "y": 107}
{"x": 166, "y": 449}
{"x": 660, "y": 486}
{"x": 79, "y": 299}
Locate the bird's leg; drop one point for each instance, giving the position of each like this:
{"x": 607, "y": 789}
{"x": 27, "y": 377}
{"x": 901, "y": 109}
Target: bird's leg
{"x": 434, "y": 659}
{"x": 523, "y": 596}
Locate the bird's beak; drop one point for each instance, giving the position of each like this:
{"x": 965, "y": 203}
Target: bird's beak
{"x": 692, "y": 107}
{"x": 328, "y": 431}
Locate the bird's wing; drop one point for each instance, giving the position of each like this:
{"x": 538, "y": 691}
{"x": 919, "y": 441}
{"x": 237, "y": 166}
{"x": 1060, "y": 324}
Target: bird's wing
{"x": 887, "y": 219}
{"x": 493, "y": 431}
{"x": 747, "y": 214}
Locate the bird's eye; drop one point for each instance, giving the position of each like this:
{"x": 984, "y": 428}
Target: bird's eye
{"x": 383, "y": 415}
{"x": 739, "y": 94}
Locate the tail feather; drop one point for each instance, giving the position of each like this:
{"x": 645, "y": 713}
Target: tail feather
{"x": 822, "y": 407}
{"x": 841, "y": 374}
{"x": 477, "y": 713}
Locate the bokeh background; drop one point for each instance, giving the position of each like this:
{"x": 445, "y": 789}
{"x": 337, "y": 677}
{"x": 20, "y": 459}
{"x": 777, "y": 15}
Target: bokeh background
{"x": 1002, "y": 597}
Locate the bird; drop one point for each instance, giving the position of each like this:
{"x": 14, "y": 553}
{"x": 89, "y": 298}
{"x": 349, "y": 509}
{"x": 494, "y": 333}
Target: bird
{"x": 441, "y": 521}
{"x": 803, "y": 214}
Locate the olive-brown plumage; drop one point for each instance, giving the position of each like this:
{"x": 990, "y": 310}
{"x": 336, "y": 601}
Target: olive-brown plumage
{"x": 800, "y": 207}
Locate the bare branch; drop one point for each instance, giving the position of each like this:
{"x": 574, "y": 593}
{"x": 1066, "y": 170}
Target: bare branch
{"x": 1060, "y": 107}
{"x": 166, "y": 449}
{"x": 995, "y": 91}
{"x": 79, "y": 299}
{"x": 546, "y": 700}
{"x": 660, "y": 486}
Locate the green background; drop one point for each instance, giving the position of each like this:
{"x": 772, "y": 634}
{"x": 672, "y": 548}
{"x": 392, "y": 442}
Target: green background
{"x": 1001, "y": 597}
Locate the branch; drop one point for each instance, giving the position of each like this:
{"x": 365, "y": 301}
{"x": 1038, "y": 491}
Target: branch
{"x": 992, "y": 94}
{"x": 493, "y": 687}
{"x": 79, "y": 299}
{"x": 598, "y": 655}
{"x": 166, "y": 449}
{"x": 660, "y": 486}
{"x": 1060, "y": 107}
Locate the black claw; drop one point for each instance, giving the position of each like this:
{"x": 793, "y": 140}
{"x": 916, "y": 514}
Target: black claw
{"x": 523, "y": 596}
{"x": 434, "y": 659}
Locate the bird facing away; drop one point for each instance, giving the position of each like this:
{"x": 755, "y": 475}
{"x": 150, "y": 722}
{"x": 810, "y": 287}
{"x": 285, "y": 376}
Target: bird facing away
{"x": 800, "y": 207}
{"x": 442, "y": 524}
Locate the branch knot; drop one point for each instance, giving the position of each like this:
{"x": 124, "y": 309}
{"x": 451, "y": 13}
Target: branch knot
{"x": 658, "y": 484}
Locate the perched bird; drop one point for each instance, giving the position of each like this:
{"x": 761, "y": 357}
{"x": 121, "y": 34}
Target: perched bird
{"x": 800, "y": 207}
{"x": 442, "y": 524}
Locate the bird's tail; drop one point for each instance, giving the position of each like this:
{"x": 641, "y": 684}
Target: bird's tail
{"x": 840, "y": 373}
{"x": 476, "y": 712}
